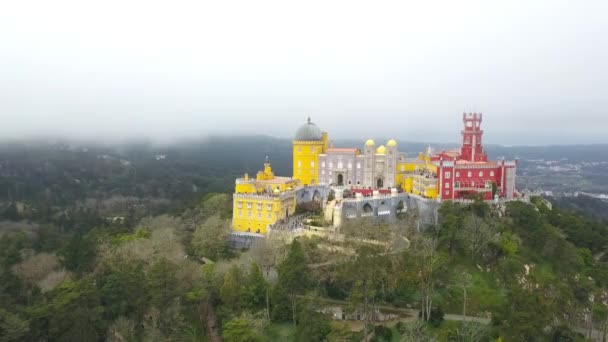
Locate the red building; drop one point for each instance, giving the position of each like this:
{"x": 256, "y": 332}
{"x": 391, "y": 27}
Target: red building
{"x": 467, "y": 171}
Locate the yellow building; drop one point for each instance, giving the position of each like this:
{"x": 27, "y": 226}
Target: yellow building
{"x": 418, "y": 175}
{"x": 308, "y": 143}
{"x": 260, "y": 202}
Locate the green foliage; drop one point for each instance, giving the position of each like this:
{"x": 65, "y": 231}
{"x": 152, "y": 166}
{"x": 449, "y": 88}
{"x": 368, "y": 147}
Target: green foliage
{"x": 232, "y": 290}
{"x": 162, "y": 283}
{"x": 312, "y": 325}
{"x": 123, "y": 290}
{"x": 239, "y": 330}
{"x": 12, "y": 327}
{"x": 382, "y": 334}
{"x": 73, "y": 313}
{"x": 294, "y": 279}
{"x": 79, "y": 253}
{"x": 210, "y": 239}
{"x": 256, "y": 289}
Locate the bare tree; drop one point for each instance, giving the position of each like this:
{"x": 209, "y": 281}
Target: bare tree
{"x": 426, "y": 266}
{"x": 477, "y": 234}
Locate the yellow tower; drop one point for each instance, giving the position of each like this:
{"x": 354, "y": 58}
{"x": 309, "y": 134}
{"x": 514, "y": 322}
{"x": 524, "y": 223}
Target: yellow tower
{"x": 308, "y": 143}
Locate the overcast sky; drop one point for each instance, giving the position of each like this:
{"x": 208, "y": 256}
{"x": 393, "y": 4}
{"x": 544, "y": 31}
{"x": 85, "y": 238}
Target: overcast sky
{"x": 538, "y": 70}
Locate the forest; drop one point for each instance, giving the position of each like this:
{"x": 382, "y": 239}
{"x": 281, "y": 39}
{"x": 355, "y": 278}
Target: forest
{"x": 139, "y": 254}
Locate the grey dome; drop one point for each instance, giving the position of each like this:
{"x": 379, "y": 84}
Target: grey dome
{"x": 309, "y": 132}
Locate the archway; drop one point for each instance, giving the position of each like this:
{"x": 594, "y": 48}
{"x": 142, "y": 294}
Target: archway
{"x": 400, "y": 207}
{"x": 340, "y": 179}
{"x": 379, "y": 183}
{"x": 367, "y": 208}
{"x": 316, "y": 197}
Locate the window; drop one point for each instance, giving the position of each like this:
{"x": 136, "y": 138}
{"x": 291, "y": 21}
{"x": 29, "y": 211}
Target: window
{"x": 312, "y": 149}
{"x": 447, "y": 192}
{"x": 491, "y": 173}
{"x": 480, "y": 173}
{"x": 448, "y": 175}
{"x": 259, "y": 206}
{"x": 299, "y": 148}
{"x": 358, "y": 165}
{"x": 331, "y": 164}
{"x": 457, "y": 174}
{"x": 402, "y": 168}
{"x": 312, "y": 164}
{"x": 299, "y": 163}
{"x": 248, "y": 205}
{"x": 268, "y": 207}
{"x": 470, "y": 174}
{"x": 239, "y": 204}
{"x": 340, "y": 165}
{"x": 322, "y": 172}
{"x": 259, "y": 215}
{"x": 249, "y": 213}
{"x": 350, "y": 165}
{"x": 240, "y": 213}
{"x": 322, "y": 164}
{"x": 447, "y": 185}
{"x": 488, "y": 184}
{"x": 467, "y": 140}
{"x": 456, "y": 185}
{"x": 269, "y": 216}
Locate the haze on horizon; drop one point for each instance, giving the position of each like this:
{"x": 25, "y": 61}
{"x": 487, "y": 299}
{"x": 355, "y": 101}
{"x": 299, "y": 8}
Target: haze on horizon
{"x": 404, "y": 69}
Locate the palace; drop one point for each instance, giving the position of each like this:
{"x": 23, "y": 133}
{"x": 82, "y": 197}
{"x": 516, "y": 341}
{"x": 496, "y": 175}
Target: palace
{"x": 260, "y": 202}
{"x": 436, "y": 176}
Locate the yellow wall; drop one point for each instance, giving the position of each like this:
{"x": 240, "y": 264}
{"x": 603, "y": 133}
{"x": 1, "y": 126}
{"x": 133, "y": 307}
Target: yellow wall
{"x": 258, "y": 212}
{"x": 305, "y": 153}
{"x": 413, "y": 183}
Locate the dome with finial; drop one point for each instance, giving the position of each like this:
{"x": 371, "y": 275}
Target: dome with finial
{"x": 309, "y": 132}
{"x": 370, "y": 142}
{"x": 391, "y": 143}
{"x": 381, "y": 150}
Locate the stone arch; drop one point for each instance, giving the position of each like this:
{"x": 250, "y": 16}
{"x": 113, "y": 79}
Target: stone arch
{"x": 379, "y": 183}
{"x": 316, "y": 197}
{"x": 340, "y": 179}
{"x": 367, "y": 208}
{"x": 400, "y": 207}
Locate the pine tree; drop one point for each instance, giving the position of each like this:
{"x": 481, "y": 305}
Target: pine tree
{"x": 294, "y": 275}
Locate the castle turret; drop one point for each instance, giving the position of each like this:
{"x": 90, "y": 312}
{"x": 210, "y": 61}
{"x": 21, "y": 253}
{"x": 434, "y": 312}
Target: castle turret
{"x": 472, "y": 148}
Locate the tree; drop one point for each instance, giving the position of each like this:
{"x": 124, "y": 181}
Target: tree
{"x": 239, "y": 330}
{"x": 477, "y": 234}
{"x": 232, "y": 289}
{"x": 312, "y": 325}
{"x": 450, "y": 218}
{"x": 162, "y": 284}
{"x": 123, "y": 291}
{"x": 210, "y": 238}
{"x": 463, "y": 280}
{"x": 424, "y": 269}
{"x": 294, "y": 276}
{"x": 12, "y": 327}
{"x": 367, "y": 273}
{"x": 79, "y": 254}
{"x": 73, "y": 313}
{"x": 256, "y": 292}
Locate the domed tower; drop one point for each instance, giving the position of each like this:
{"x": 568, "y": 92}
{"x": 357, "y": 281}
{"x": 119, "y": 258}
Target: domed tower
{"x": 391, "y": 163}
{"x": 369, "y": 154}
{"x": 308, "y": 143}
